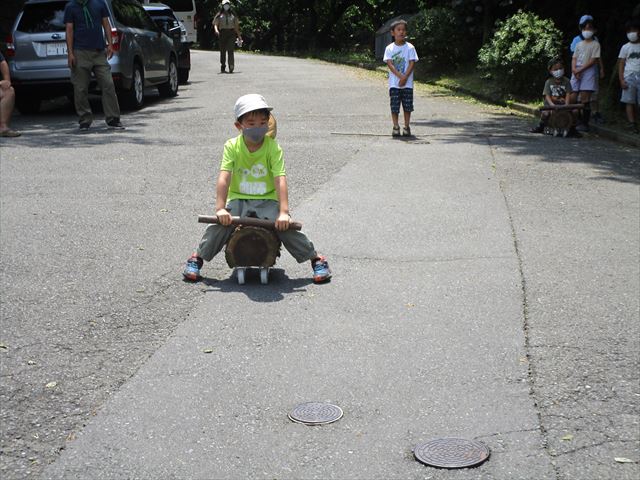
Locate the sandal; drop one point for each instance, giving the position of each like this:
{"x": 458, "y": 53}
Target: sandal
{"x": 9, "y": 133}
{"x": 396, "y": 131}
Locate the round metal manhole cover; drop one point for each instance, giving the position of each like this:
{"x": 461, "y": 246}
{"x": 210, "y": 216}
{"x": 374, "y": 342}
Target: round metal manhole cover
{"x": 452, "y": 453}
{"x": 315, "y": 413}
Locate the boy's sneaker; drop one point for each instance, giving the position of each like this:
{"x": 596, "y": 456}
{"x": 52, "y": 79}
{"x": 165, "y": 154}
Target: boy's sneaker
{"x": 321, "y": 271}
{"x": 537, "y": 129}
{"x": 396, "y": 131}
{"x": 406, "y": 132}
{"x": 115, "y": 124}
{"x": 192, "y": 269}
{"x": 633, "y": 127}
{"x": 84, "y": 126}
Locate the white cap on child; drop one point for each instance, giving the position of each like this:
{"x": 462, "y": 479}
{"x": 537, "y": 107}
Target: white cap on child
{"x": 249, "y": 103}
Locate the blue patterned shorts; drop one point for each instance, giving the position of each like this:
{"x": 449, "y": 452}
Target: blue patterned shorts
{"x": 401, "y": 95}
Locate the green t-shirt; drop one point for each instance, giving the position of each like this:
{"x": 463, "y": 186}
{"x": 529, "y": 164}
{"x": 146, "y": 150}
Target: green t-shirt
{"x": 252, "y": 174}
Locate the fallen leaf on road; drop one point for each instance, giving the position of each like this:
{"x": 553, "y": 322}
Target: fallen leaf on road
{"x": 207, "y": 350}
{"x": 164, "y": 210}
{"x": 409, "y": 305}
{"x": 51, "y": 384}
{"x": 623, "y": 460}
{"x": 140, "y": 247}
{"x": 567, "y": 438}
{"x": 3, "y": 346}
{"x": 30, "y": 362}
{"x": 140, "y": 290}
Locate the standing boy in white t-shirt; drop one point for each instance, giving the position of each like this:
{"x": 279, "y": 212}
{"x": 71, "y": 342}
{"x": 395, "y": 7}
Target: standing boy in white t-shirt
{"x": 629, "y": 73}
{"x": 401, "y": 58}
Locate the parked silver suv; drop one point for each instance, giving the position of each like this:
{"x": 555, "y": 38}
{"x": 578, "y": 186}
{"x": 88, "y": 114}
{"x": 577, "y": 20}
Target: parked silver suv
{"x": 144, "y": 56}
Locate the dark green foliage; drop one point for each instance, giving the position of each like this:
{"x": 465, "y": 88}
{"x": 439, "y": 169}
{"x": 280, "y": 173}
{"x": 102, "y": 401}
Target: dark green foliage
{"x": 518, "y": 53}
{"x": 437, "y": 36}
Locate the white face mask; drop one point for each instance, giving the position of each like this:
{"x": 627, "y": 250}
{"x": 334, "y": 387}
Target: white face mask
{"x": 226, "y": 7}
{"x": 632, "y": 36}
{"x": 557, "y": 73}
{"x": 587, "y": 34}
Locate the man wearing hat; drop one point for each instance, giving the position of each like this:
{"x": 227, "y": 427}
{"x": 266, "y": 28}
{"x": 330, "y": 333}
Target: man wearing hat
{"x": 253, "y": 182}
{"x": 227, "y": 28}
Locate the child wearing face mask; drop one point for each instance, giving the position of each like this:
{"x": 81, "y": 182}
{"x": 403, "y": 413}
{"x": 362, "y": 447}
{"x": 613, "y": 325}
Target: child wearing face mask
{"x": 253, "y": 182}
{"x": 584, "y": 66}
{"x": 557, "y": 91}
{"x": 629, "y": 73}
{"x": 597, "y": 116}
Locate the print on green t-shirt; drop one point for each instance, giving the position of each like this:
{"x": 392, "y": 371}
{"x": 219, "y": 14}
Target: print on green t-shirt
{"x": 252, "y": 173}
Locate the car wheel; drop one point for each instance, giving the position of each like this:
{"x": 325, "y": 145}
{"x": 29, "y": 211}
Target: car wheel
{"x": 183, "y": 75}
{"x": 134, "y": 97}
{"x": 27, "y": 104}
{"x": 170, "y": 89}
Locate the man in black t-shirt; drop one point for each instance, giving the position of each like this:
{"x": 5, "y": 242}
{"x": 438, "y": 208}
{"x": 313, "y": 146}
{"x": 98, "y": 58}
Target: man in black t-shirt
{"x": 87, "y": 23}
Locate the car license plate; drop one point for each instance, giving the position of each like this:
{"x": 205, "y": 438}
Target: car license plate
{"x": 56, "y": 49}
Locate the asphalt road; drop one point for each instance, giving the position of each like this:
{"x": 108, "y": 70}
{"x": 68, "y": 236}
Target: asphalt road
{"x": 486, "y": 286}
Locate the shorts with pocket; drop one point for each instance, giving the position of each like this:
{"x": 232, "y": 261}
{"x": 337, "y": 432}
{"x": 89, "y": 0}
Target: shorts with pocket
{"x": 401, "y": 95}
{"x": 631, "y": 94}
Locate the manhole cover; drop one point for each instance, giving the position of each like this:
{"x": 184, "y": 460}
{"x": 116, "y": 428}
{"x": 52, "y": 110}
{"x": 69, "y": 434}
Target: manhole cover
{"x": 315, "y": 413}
{"x": 452, "y": 453}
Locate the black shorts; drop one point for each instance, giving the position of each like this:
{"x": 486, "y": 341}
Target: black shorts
{"x": 401, "y": 95}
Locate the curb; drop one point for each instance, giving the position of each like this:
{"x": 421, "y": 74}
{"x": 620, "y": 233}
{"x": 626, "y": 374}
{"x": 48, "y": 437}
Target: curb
{"x": 597, "y": 130}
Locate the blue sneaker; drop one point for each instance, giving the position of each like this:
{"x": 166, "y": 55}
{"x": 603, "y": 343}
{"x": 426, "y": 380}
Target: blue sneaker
{"x": 321, "y": 271}
{"x": 192, "y": 269}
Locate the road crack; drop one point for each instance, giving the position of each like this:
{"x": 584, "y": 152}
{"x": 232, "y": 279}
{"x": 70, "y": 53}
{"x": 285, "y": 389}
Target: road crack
{"x": 531, "y": 370}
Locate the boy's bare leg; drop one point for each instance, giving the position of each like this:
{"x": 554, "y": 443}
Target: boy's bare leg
{"x": 395, "y": 119}
{"x": 631, "y": 112}
{"x": 407, "y": 118}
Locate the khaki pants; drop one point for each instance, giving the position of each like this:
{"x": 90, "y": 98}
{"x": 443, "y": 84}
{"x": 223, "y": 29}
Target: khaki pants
{"x": 227, "y": 41}
{"x": 86, "y": 62}
{"x": 216, "y": 236}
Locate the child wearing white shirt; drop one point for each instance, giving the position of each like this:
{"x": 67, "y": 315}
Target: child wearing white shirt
{"x": 401, "y": 57}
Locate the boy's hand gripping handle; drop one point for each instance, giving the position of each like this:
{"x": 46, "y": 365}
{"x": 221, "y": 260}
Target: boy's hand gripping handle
{"x": 249, "y": 222}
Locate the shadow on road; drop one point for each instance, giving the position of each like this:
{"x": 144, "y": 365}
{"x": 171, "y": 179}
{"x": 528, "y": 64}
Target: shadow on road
{"x": 56, "y": 126}
{"x": 279, "y": 285}
{"x": 510, "y": 134}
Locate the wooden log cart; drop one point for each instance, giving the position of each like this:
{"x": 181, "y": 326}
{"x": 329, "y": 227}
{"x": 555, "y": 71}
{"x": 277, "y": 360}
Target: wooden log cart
{"x": 561, "y": 118}
{"x": 253, "y": 244}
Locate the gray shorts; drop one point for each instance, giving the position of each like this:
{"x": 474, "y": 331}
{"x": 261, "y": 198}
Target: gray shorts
{"x": 216, "y": 236}
{"x": 588, "y": 81}
{"x": 632, "y": 93}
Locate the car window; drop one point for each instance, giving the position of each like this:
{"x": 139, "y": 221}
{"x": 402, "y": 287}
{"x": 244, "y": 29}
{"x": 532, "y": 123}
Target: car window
{"x": 145, "y": 19}
{"x": 180, "y": 5}
{"x": 125, "y": 13}
{"x": 43, "y": 17}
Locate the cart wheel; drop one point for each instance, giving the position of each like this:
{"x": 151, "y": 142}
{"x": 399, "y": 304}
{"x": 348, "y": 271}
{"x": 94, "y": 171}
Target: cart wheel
{"x": 264, "y": 276}
{"x": 240, "y": 273}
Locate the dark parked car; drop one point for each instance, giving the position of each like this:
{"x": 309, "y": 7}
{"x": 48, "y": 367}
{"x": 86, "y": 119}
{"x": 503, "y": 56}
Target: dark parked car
{"x": 166, "y": 20}
{"x": 144, "y": 56}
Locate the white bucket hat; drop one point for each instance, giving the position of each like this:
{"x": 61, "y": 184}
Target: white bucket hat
{"x": 225, "y": 2}
{"x": 249, "y": 103}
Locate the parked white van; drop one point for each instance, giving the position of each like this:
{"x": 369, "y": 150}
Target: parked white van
{"x": 185, "y": 10}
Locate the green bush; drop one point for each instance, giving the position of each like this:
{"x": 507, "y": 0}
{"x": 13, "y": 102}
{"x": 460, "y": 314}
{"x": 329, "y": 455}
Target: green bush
{"x": 517, "y": 55}
{"x": 436, "y": 36}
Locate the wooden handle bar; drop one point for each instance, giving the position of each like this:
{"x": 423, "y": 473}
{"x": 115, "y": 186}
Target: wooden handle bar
{"x": 570, "y": 106}
{"x": 249, "y": 222}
